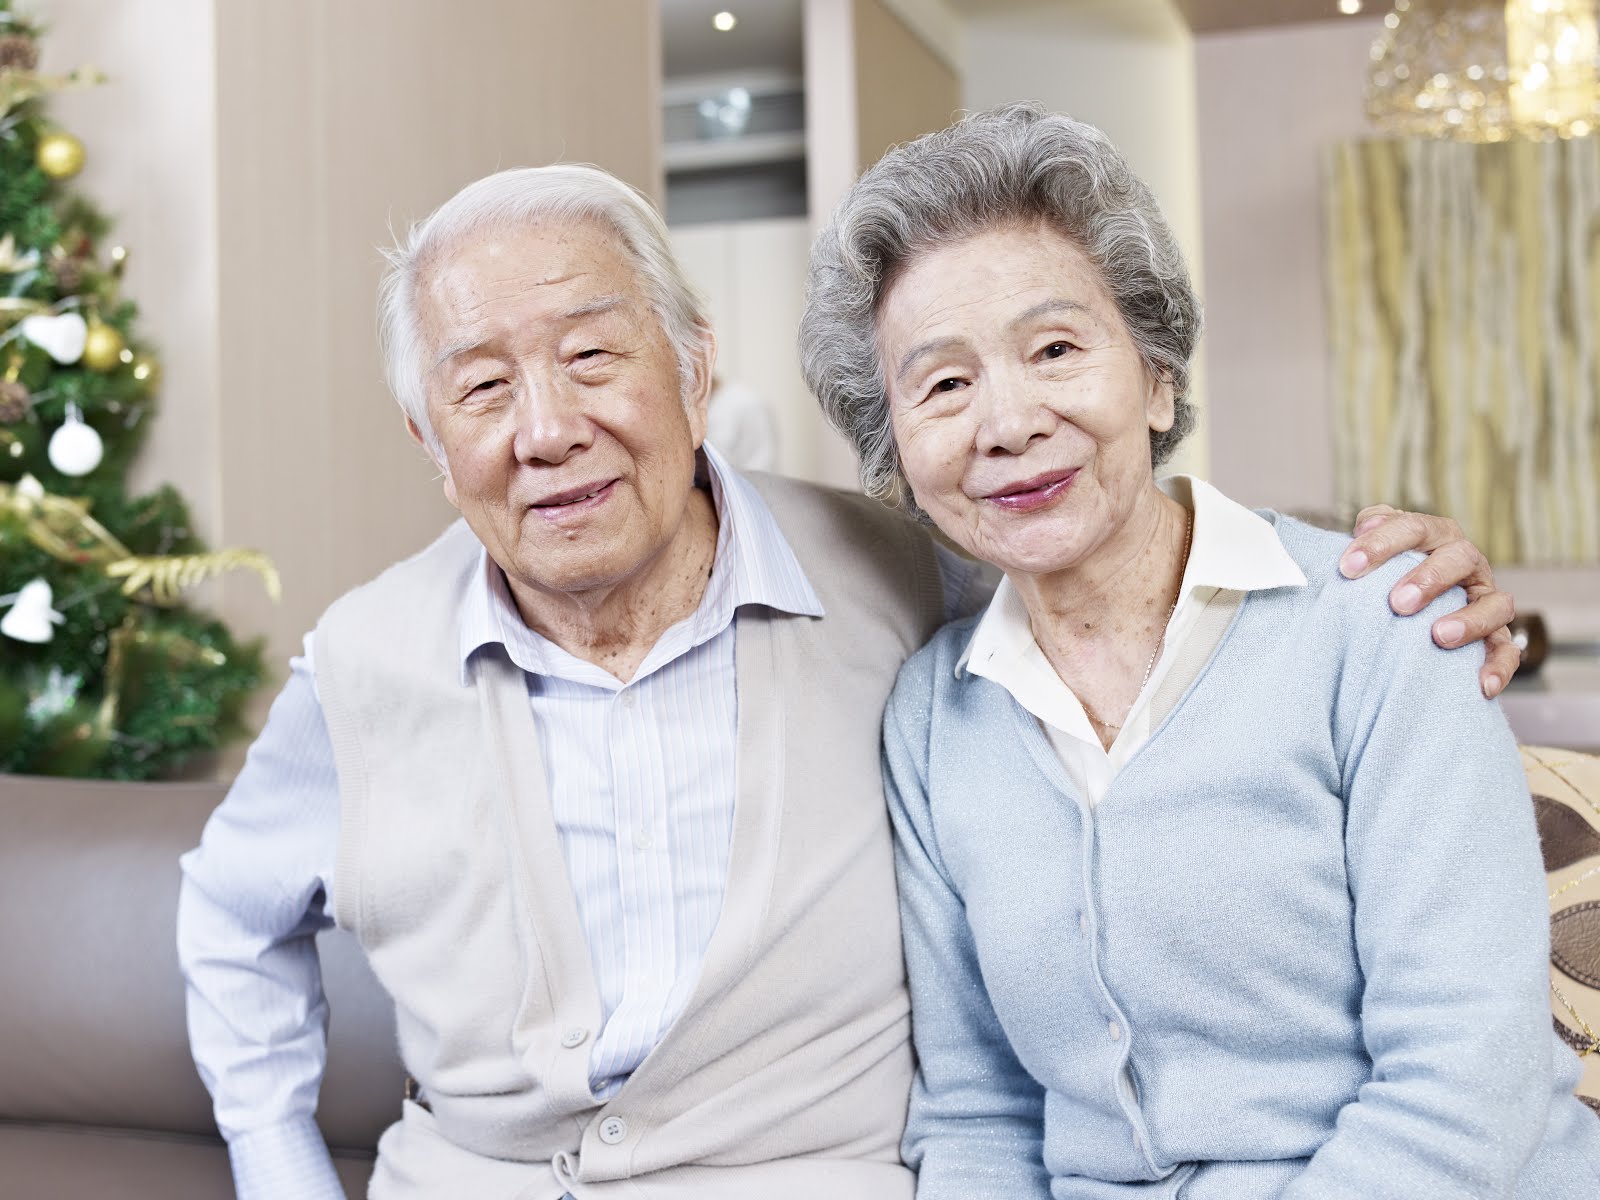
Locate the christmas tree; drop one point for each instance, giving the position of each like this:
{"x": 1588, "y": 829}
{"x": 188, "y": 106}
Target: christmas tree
{"x": 103, "y": 670}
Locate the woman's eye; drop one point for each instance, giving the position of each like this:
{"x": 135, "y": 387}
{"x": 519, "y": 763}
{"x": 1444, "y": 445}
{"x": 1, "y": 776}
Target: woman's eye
{"x": 488, "y": 385}
{"x": 946, "y": 385}
{"x": 586, "y": 355}
{"x": 1055, "y": 349}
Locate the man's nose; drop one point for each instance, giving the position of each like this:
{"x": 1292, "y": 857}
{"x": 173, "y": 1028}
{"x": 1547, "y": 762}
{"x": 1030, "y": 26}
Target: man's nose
{"x": 551, "y": 421}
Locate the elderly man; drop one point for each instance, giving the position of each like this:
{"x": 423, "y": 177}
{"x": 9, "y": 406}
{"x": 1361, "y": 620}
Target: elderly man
{"x": 594, "y": 777}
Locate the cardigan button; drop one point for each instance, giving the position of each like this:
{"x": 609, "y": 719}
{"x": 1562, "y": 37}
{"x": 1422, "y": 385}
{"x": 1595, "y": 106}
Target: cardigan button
{"x": 1114, "y": 1030}
{"x": 613, "y": 1130}
{"x": 573, "y": 1038}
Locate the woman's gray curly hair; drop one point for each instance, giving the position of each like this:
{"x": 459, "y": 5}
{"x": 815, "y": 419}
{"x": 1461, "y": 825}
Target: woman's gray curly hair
{"x": 1018, "y": 163}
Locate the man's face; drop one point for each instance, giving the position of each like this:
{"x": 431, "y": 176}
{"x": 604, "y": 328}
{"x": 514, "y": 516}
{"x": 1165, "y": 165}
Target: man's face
{"x": 568, "y": 445}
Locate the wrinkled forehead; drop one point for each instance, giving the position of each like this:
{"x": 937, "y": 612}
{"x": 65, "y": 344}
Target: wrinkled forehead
{"x": 995, "y": 272}
{"x": 548, "y": 264}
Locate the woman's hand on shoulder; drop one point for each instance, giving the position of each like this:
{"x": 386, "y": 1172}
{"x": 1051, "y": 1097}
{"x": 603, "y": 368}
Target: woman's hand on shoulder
{"x": 1381, "y": 532}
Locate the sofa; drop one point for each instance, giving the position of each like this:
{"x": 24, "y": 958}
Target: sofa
{"x": 1566, "y": 803}
{"x": 99, "y": 1099}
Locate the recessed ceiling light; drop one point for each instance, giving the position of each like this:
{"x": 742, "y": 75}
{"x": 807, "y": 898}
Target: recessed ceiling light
{"x": 725, "y": 21}
{"x": 1349, "y": 7}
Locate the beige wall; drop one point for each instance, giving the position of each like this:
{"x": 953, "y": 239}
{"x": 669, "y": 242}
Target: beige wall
{"x": 1270, "y": 103}
{"x": 258, "y": 153}
{"x": 903, "y": 88}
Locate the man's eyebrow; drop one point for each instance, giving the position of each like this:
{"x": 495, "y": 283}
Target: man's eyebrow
{"x": 454, "y": 349}
{"x": 599, "y": 305}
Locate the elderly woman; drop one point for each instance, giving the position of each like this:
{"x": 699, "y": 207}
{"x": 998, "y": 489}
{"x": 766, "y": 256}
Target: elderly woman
{"x": 1217, "y": 883}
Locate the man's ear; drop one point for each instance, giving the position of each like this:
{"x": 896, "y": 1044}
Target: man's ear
{"x": 438, "y": 461}
{"x": 697, "y": 399}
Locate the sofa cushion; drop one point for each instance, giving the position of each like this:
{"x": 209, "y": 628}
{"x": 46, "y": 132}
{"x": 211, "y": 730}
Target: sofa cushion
{"x": 72, "y": 1163}
{"x": 93, "y": 1029}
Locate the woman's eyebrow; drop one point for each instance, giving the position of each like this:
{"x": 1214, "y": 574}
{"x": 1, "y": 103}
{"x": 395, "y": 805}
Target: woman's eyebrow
{"x": 921, "y": 350}
{"x": 1046, "y": 308}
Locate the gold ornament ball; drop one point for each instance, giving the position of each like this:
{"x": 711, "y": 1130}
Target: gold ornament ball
{"x": 102, "y": 347}
{"x": 60, "y": 155}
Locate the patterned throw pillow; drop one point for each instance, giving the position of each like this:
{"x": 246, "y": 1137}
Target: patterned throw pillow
{"x": 1566, "y": 799}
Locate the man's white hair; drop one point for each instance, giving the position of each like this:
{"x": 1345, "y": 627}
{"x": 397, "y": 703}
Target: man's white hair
{"x": 525, "y": 196}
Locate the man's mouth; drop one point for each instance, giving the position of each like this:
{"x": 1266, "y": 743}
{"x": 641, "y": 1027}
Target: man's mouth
{"x": 573, "y": 498}
{"x": 1033, "y": 493}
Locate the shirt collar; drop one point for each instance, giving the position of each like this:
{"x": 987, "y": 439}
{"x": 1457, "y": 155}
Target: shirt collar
{"x": 754, "y": 564}
{"x": 1231, "y": 548}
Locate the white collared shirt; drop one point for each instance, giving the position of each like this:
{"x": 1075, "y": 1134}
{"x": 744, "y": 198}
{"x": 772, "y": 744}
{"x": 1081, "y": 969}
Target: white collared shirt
{"x": 1232, "y": 549}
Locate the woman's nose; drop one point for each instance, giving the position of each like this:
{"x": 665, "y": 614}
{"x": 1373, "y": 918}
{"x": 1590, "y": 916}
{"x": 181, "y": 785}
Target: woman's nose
{"x": 1012, "y": 419}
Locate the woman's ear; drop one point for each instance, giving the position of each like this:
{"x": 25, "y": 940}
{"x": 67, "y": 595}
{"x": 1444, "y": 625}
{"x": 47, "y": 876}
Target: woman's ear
{"x": 1161, "y": 407}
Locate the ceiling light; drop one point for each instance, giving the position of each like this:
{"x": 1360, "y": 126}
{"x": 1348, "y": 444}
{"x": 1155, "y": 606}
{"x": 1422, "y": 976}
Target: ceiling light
{"x": 1349, "y": 7}
{"x": 724, "y": 21}
{"x": 1486, "y": 70}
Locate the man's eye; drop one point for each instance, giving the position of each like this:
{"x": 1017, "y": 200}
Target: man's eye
{"x": 1055, "y": 349}
{"x": 947, "y": 385}
{"x": 584, "y": 355}
{"x": 488, "y": 385}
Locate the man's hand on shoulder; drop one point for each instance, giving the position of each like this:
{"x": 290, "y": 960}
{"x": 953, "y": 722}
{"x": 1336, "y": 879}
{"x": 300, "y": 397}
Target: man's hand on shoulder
{"x": 1381, "y": 532}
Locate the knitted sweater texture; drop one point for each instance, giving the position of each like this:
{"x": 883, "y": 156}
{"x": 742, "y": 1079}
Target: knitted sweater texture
{"x": 1299, "y": 950}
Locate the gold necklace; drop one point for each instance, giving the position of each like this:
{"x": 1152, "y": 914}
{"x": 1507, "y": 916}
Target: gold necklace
{"x": 1188, "y": 534}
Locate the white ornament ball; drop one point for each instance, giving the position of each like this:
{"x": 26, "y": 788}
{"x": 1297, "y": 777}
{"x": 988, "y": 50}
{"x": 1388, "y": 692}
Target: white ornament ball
{"x": 75, "y": 448}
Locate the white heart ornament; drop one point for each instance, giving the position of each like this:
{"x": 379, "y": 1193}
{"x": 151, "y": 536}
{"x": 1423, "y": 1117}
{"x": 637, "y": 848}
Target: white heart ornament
{"x": 61, "y": 337}
{"x": 31, "y": 613}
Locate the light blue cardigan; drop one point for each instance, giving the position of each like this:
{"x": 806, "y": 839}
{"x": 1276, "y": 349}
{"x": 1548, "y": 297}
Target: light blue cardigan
{"x": 1309, "y": 917}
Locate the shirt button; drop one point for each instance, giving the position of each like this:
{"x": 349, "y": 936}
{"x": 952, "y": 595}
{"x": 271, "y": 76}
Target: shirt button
{"x": 613, "y": 1130}
{"x": 642, "y": 840}
{"x": 573, "y": 1038}
{"x": 1114, "y": 1030}
{"x": 629, "y": 699}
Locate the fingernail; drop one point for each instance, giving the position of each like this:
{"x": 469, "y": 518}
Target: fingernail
{"x": 1369, "y": 523}
{"x": 1409, "y": 598}
{"x": 1355, "y": 563}
{"x": 1493, "y": 684}
{"x": 1450, "y": 631}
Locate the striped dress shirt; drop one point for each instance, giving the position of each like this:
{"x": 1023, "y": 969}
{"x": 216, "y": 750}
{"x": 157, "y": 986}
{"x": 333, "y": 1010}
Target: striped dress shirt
{"x": 641, "y": 783}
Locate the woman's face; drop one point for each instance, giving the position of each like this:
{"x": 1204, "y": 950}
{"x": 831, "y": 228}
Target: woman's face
{"x": 1021, "y": 408}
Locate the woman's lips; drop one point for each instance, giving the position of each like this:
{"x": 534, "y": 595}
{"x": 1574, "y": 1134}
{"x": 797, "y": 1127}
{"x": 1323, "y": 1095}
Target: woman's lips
{"x": 1034, "y": 493}
{"x": 575, "y": 502}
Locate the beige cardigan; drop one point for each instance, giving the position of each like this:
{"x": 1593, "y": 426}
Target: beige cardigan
{"x": 788, "y": 1073}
